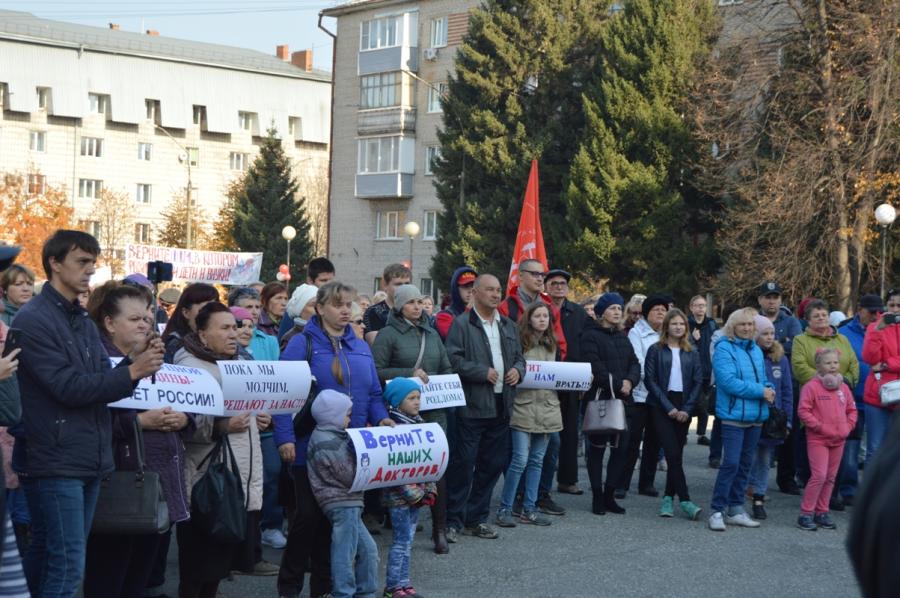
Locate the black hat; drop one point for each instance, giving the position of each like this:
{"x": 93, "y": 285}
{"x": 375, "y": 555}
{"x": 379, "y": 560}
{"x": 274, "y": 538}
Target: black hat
{"x": 871, "y": 303}
{"x": 769, "y": 288}
{"x": 654, "y": 300}
{"x": 557, "y": 272}
{"x": 8, "y": 255}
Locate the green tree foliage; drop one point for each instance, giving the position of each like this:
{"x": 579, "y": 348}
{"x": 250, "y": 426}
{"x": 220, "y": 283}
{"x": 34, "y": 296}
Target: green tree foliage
{"x": 174, "y": 230}
{"x": 265, "y": 202}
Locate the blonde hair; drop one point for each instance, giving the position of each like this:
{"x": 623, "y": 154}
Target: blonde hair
{"x": 822, "y": 353}
{"x": 738, "y": 316}
{"x": 332, "y": 293}
{"x": 683, "y": 343}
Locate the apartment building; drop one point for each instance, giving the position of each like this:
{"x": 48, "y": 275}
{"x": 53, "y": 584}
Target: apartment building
{"x": 88, "y": 108}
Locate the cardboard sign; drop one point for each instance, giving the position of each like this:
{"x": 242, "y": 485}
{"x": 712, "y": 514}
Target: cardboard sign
{"x": 557, "y": 375}
{"x": 405, "y": 454}
{"x": 190, "y": 390}
{"x": 443, "y": 390}
{"x": 213, "y": 267}
{"x": 264, "y": 386}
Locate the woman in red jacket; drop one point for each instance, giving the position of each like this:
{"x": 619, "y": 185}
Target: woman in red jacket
{"x": 881, "y": 350}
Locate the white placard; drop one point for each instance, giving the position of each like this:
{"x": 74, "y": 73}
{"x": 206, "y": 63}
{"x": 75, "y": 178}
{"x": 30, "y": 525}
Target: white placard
{"x": 405, "y": 454}
{"x": 264, "y": 386}
{"x": 557, "y": 375}
{"x": 186, "y": 389}
{"x": 442, "y": 390}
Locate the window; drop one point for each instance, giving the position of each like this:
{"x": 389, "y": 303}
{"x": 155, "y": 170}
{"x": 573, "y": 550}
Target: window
{"x": 295, "y": 127}
{"x": 91, "y": 146}
{"x": 43, "y": 97}
{"x": 426, "y": 286}
{"x": 141, "y": 232}
{"x": 194, "y": 156}
{"x": 37, "y": 184}
{"x": 432, "y": 153}
{"x": 430, "y": 232}
{"x": 98, "y": 103}
{"x": 89, "y": 188}
{"x": 92, "y": 227}
{"x": 435, "y": 93}
{"x": 378, "y": 91}
{"x": 381, "y": 33}
{"x": 152, "y": 110}
{"x": 199, "y": 115}
{"x": 2, "y": 95}
{"x": 142, "y": 194}
{"x": 144, "y": 151}
{"x": 388, "y": 225}
{"x": 377, "y": 285}
{"x": 37, "y": 141}
{"x": 379, "y": 154}
{"x": 245, "y": 120}
{"x": 238, "y": 161}
{"x": 439, "y": 32}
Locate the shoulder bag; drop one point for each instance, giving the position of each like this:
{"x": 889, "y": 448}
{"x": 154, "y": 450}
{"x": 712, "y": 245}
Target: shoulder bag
{"x": 131, "y": 502}
{"x": 217, "y": 498}
{"x": 604, "y": 417}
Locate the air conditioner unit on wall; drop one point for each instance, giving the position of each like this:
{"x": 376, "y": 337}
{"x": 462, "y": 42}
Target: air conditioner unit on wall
{"x": 431, "y": 53}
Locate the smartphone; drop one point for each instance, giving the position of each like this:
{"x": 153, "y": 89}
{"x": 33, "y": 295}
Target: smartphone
{"x": 891, "y": 318}
{"x": 12, "y": 341}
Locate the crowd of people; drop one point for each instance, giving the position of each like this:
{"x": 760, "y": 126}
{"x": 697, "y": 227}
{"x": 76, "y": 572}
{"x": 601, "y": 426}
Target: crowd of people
{"x": 803, "y": 390}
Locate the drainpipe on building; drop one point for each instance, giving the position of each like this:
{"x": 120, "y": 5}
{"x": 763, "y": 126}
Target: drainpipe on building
{"x": 331, "y": 133}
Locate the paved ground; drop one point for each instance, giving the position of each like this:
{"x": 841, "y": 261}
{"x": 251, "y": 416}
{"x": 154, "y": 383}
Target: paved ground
{"x": 635, "y": 555}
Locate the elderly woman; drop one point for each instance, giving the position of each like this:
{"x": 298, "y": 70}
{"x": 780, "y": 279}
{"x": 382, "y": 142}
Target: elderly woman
{"x": 743, "y": 396}
{"x": 881, "y": 350}
{"x": 17, "y": 283}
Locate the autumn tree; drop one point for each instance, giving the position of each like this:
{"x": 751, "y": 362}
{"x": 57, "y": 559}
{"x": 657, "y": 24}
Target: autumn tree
{"x": 174, "y": 230}
{"x": 222, "y": 238}
{"x": 31, "y": 212}
{"x": 114, "y": 211}
{"x": 314, "y": 187}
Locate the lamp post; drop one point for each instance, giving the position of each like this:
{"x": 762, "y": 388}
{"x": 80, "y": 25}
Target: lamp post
{"x": 411, "y": 229}
{"x": 885, "y": 214}
{"x": 187, "y": 160}
{"x": 288, "y": 233}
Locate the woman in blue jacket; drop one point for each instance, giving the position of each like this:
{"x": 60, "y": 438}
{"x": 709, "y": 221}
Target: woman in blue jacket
{"x": 340, "y": 361}
{"x": 743, "y": 394}
{"x": 673, "y": 375}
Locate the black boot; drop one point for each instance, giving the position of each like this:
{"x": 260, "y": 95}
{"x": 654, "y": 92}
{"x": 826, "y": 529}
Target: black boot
{"x": 597, "y": 505}
{"x": 609, "y": 501}
{"x": 439, "y": 519}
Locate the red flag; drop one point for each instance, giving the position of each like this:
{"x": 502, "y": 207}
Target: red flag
{"x": 530, "y": 238}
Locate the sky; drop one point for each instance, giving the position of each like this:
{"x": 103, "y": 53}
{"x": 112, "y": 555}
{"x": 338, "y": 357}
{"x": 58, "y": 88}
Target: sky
{"x": 256, "y": 24}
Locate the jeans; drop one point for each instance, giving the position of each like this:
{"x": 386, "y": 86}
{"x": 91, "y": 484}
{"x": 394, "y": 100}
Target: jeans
{"x": 848, "y": 474}
{"x": 403, "y": 520}
{"x": 62, "y": 510}
{"x": 878, "y": 422}
{"x": 738, "y": 447}
{"x": 672, "y": 436}
{"x": 759, "y": 471}
{"x": 824, "y": 462}
{"x": 527, "y": 455}
{"x": 354, "y": 556}
{"x": 715, "y": 440}
{"x": 272, "y": 515}
{"x": 17, "y": 505}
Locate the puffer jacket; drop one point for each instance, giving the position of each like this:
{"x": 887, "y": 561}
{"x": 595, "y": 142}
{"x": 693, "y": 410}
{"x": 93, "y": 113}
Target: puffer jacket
{"x": 829, "y": 415}
{"x": 245, "y": 445}
{"x": 740, "y": 381}
{"x": 332, "y": 469}
{"x": 642, "y": 337}
{"x": 881, "y": 346}
{"x": 397, "y": 346}
{"x": 856, "y": 334}
{"x": 610, "y": 354}
{"x": 803, "y": 359}
{"x": 658, "y": 368}
{"x": 536, "y": 411}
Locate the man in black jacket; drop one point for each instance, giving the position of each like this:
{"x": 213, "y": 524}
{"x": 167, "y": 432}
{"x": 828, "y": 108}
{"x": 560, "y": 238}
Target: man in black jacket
{"x": 64, "y": 446}
{"x": 485, "y": 351}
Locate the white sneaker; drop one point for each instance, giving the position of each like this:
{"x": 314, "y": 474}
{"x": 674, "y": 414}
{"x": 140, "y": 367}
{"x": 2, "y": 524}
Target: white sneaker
{"x": 274, "y": 538}
{"x": 717, "y": 522}
{"x": 741, "y": 520}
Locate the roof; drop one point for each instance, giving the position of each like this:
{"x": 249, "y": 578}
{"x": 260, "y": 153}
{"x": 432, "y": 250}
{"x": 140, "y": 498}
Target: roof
{"x": 25, "y": 27}
{"x": 358, "y": 5}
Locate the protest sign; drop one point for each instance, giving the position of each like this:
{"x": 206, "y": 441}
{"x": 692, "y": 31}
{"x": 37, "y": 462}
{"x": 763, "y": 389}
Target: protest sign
{"x": 190, "y": 390}
{"x": 444, "y": 390}
{"x": 264, "y": 386}
{"x": 213, "y": 267}
{"x": 557, "y": 375}
{"x": 406, "y": 454}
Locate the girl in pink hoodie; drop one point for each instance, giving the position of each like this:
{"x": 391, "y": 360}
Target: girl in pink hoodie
{"x": 827, "y": 410}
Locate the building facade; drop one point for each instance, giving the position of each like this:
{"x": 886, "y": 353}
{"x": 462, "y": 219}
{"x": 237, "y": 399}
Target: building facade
{"x": 86, "y": 109}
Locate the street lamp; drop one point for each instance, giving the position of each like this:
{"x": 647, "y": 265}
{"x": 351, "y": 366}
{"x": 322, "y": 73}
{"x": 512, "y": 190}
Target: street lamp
{"x": 885, "y": 214}
{"x": 288, "y": 233}
{"x": 411, "y": 229}
{"x": 187, "y": 160}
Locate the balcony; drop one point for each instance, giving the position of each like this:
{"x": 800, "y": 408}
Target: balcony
{"x": 378, "y": 121}
{"x": 384, "y": 186}
{"x": 385, "y": 60}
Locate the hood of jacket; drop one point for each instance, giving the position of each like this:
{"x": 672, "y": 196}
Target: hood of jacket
{"x": 330, "y": 410}
{"x": 456, "y": 303}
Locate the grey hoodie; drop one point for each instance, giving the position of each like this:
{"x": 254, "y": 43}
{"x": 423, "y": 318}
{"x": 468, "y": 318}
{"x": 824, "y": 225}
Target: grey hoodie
{"x": 330, "y": 458}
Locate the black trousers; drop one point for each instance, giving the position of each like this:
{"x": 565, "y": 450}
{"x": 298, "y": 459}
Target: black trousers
{"x": 309, "y": 544}
{"x": 567, "y": 465}
{"x": 787, "y": 452}
{"x": 672, "y": 435}
{"x": 119, "y": 566}
{"x": 640, "y": 430}
{"x": 595, "y": 450}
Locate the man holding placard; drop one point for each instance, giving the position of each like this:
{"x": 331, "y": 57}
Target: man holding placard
{"x": 484, "y": 349}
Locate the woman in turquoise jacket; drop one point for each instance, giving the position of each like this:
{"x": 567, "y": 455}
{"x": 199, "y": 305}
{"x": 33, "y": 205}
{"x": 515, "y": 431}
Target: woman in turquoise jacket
{"x": 743, "y": 394}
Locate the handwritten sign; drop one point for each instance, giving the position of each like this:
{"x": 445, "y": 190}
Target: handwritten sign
{"x": 190, "y": 390}
{"x": 557, "y": 375}
{"x": 443, "y": 390}
{"x": 406, "y": 454}
{"x": 222, "y": 267}
{"x": 265, "y": 386}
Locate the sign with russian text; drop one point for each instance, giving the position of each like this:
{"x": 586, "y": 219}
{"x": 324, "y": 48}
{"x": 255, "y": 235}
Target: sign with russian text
{"x": 443, "y": 390}
{"x": 405, "y": 454}
{"x": 186, "y": 389}
{"x": 556, "y": 375}
{"x": 213, "y": 267}
{"x": 264, "y": 386}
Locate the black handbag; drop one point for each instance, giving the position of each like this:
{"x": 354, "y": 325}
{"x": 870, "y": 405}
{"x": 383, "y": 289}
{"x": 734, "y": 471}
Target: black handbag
{"x": 217, "y": 498}
{"x": 775, "y": 428}
{"x": 131, "y": 502}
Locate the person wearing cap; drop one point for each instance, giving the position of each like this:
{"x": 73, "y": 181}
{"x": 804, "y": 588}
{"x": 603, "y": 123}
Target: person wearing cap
{"x": 527, "y": 290}
{"x": 881, "y": 350}
{"x": 168, "y": 299}
{"x": 376, "y": 316}
{"x": 408, "y": 347}
{"x": 460, "y": 299}
{"x": 870, "y": 307}
{"x": 642, "y": 437}
{"x": 17, "y": 283}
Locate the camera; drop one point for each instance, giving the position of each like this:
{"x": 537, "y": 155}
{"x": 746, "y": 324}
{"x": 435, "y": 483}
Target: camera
{"x": 158, "y": 272}
{"x": 891, "y": 318}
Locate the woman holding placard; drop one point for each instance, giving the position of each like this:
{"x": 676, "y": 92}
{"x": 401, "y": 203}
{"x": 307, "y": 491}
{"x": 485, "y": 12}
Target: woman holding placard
{"x": 183, "y": 320}
{"x": 202, "y": 561}
{"x": 120, "y": 565}
{"x": 408, "y": 346}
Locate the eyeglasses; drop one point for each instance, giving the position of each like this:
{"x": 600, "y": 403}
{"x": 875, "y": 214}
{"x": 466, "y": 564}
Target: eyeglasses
{"x": 559, "y": 283}
{"x": 535, "y": 274}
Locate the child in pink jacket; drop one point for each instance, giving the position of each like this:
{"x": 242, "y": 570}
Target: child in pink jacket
{"x": 827, "y": 410}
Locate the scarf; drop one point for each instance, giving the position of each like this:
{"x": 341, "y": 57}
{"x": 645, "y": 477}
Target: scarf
{"x": 194, "y": 346}
{"x": 831, "y": 381}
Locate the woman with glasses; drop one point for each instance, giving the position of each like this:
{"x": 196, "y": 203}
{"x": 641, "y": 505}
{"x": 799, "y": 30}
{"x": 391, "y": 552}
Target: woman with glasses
{"x": 881, "y": 350}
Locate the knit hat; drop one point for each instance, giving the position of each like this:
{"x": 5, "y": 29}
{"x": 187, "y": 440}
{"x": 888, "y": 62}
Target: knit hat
{"x": 652, "y": 301}
{"x": 404, "y": 294}
{"x": 605, "y": 301}
{"x": 762, "y": 324}
{"x": 329, "y": 409}
{"x": 836, "y": 317}
{"x": 140, "y": 280}
{"x": 398, "y": 389}
{"x": 300, "y": 297}
{"x": 801, "y": 308}
{"x": 241, "y": 313}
